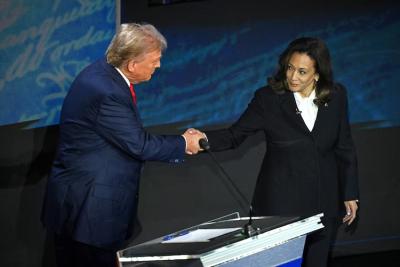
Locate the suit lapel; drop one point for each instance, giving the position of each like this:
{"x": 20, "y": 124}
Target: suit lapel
{"x": 322, "y": 116}
{"x": 123, "y": 85}
{"x": 289, "y": 108}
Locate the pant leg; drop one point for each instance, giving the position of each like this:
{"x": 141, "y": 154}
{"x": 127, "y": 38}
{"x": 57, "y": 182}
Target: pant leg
{"x": 64, "y": 251}
{"x": 70, "y": 253}
{"x": 94, "y": 257}
{"x": 317, "y": 246}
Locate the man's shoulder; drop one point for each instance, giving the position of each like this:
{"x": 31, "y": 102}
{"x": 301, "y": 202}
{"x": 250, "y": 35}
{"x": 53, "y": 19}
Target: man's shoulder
{"x": 97, "y": 67}
{"x": 98, "y": 74}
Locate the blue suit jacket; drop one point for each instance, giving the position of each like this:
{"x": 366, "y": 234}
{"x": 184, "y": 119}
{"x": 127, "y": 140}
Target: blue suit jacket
{"x": 92, "y": 191}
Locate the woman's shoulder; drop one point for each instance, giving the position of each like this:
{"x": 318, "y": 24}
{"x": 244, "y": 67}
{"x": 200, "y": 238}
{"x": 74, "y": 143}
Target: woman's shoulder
{"x": 338, "y": 91}
{"x": 266, "y": 91}
{"x": 339, "y": 88}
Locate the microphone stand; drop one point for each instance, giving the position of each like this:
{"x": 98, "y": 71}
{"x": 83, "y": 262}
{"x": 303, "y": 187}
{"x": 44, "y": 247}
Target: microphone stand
{"x": 248, "y": 229}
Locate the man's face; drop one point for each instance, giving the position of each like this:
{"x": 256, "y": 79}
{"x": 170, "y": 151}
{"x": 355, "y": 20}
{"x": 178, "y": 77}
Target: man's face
{"x": 142, "y": 69}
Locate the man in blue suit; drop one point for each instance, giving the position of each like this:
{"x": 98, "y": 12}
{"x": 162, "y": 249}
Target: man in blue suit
{"x": 92, "y": 192}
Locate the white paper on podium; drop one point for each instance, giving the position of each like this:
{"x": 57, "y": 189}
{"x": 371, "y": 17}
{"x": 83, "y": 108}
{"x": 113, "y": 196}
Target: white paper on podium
{"x": 200, "y": 235}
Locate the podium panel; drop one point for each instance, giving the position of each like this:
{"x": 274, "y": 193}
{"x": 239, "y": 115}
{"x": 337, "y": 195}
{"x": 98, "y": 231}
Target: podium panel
{"x": 279, "y": 242}
{"x": 288, "y": 253}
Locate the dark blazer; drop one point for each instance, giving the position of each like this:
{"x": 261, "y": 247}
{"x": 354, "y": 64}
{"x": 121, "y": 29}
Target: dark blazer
{"x": 92, "y": 192}
{"x": 302, "y": 172}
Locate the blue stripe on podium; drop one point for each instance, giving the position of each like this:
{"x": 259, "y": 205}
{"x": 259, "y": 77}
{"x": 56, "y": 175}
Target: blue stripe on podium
{"x": 294, "y": 263}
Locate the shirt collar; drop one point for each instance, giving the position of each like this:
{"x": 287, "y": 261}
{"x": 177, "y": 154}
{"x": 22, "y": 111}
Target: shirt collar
{"x": 300, "y": 98}
{"x": 123, "y": 76}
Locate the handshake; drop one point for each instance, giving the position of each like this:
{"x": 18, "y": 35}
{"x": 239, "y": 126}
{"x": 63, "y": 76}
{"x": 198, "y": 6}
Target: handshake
{"x": 192, "y": 137}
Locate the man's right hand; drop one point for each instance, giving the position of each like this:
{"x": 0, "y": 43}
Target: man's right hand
{"x": 192, "y": 137}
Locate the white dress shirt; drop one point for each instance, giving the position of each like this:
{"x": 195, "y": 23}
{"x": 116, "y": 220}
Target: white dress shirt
{"x": 307, "y": 108}
{"x": 123, "y": 76}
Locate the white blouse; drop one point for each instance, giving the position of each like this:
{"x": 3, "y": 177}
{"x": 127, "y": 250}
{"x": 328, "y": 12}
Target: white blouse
{"x": 307, "y": 108}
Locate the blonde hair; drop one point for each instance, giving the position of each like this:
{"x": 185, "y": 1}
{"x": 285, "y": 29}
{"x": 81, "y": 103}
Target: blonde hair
{"x": 132, "y": 41}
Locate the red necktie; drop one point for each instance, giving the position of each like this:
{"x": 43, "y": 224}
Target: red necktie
{"x": 133, "y": 93}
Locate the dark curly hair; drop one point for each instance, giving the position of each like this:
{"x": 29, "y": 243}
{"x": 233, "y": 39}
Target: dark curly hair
{"x": 316, "y": 50}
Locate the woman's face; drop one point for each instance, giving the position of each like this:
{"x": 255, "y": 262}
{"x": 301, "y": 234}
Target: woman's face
{"x": 301, "y": 74}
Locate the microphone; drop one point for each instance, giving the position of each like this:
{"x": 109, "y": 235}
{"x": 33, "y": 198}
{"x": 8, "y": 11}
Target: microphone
{"x": 204, "y": 144}
{"x": 248, "y": 229}
{"x": 298, "y": 112}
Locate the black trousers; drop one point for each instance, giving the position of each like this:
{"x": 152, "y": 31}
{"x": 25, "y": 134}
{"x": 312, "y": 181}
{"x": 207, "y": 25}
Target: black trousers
{"x": 70, "y": 253}
{"x": 317, "y": 247}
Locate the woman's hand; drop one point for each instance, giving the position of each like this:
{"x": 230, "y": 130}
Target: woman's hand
{"x": 351, "y": 211}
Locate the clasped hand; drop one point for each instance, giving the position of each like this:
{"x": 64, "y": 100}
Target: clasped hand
{"x": 192, "y": 137}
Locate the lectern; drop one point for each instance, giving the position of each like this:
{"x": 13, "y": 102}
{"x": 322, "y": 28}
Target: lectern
{"x": 279, "y": 242}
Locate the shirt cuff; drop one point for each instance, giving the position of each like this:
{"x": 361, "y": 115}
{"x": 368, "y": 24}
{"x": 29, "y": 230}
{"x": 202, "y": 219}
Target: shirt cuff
{"x": 185, "y": 142}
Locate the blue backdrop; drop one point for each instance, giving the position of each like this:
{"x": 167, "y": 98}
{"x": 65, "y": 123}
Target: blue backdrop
{"x": 44, "y": 44}
{"x": 208, "y": 74}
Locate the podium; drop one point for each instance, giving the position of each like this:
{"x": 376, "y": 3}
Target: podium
{"x": 279, "y": 242}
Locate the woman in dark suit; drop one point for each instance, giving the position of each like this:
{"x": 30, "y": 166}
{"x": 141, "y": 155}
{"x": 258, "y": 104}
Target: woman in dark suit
{"x": 310, "y": 164}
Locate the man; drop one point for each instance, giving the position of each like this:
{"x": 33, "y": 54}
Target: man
{"x": 92, "y": 192}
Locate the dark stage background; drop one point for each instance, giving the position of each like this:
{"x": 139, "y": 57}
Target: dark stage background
{"x": 219, "y": 53}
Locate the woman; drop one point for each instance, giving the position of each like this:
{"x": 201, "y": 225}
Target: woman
{"x": 310, "y": 164}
